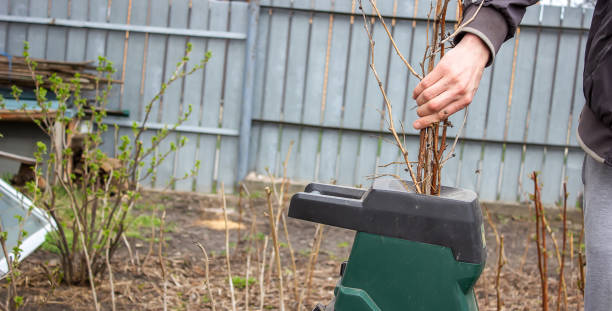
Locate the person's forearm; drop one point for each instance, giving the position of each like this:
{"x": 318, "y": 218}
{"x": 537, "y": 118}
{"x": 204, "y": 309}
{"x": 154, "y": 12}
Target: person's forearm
{"x": 495, "y": 22}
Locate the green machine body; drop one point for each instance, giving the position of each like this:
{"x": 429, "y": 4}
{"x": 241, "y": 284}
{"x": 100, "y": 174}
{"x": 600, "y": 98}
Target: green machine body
{"x": 411, "y": 252}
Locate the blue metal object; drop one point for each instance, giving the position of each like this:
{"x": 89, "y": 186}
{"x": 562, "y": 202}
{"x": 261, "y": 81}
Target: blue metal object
{"x": 247, "y": 90}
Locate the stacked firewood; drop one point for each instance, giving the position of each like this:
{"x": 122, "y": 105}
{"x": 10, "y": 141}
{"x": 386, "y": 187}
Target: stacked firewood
{"x": 15, "y": 71}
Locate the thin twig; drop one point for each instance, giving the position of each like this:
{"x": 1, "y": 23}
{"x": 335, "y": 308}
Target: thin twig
{"x": 500, "y": 264}
{"x": 208, "y": 288}
{"x": 246, "y": 289}
{"x": 499, "y": 239}
{"x": 460, "y": 28}
{"x": 561, "y": 275}
{"x": 414, "y": 73}
{"x": 276, "y": 249}
{"x": 227, "y": 249}
{"x": 540, "y": 241}
{"x": 262, "y": 287}
{"x": 129, "y": 248}
{"x": 110, "y": 277}
{"x": 316, "y": 246}
{"x": 161, "y": 261}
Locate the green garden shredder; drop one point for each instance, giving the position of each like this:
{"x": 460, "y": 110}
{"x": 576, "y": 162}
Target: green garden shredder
{"x": 411, "y": 251}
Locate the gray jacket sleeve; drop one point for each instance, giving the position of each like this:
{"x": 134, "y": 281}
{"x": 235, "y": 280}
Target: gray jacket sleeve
{"x": 495, "y": 23}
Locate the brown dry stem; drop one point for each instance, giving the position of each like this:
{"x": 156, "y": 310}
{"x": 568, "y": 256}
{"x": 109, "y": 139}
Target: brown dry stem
{"x": 387, "y": 102}
{"x": 382, "y": 21}
{"x": 207, "y": 272}
{"x": 276, "y": 249}
{"x": 227, "y": 249}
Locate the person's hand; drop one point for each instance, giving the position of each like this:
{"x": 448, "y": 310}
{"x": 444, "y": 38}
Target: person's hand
{"x": 451, "y": 85}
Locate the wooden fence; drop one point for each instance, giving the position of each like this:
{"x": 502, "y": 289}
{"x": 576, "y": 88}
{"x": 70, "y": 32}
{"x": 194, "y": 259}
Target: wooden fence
{"x": 311, "y": 84}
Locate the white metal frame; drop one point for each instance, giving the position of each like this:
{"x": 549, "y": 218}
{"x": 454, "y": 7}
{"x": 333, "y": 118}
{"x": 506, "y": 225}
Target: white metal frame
{"x": 33, "y": 239}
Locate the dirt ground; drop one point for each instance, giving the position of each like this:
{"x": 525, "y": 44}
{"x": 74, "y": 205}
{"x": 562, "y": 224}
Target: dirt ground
{"x": 139, "y": 285}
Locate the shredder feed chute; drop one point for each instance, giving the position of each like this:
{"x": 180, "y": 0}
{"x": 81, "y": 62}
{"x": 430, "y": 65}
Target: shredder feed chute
{"x": 411, "y": 251}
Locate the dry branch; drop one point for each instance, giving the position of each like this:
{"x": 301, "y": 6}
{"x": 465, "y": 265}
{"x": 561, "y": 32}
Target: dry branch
{"x": 501, "y": 260}
{"x": 373, "y": 3}
{"x": 227, "y": 249}
{"x": 541, "y": 241}
{"x": 316, "y": 246}
{"x": 276, "y": 249}
{"x": 161, "y": 261}
{"x": 262, "y": 287}
{"x": 561, "y": 269}
{"x": 206, "y": 265}
{"x": 110, "y": 278}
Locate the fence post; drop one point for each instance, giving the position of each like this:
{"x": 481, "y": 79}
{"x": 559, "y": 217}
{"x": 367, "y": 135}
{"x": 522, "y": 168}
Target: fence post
{"x": 247, "y": 90}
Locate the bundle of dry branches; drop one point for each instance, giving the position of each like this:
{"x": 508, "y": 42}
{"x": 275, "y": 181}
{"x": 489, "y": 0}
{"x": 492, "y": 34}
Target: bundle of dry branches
{"x": 432, "y": 143}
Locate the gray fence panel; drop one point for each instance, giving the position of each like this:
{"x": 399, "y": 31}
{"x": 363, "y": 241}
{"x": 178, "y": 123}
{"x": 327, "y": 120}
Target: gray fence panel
{"x": 313, "y": 87}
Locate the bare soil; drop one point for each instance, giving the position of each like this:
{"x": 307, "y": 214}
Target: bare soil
{"x": 139, "y": 285}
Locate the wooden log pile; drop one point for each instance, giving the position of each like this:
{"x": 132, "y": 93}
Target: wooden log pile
{"x": 15, "y": 71}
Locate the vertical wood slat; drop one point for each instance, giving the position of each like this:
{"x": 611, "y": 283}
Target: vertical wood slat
{"x": 4, "y": 9}
{"x": 355, "y": 77}
{"x": 154, "y": 74}
{"x": 171, "y": 107}
{"x": 15, "y": 33}
{"x": 539, "y": 159}
{"x": 293, "y": 94}
{"x": 212, "y": 88}
{"x": 233, "y": 98}
{"x": 36, "y": 34}
{"x": 332, "y": 115}
{"x": 492, "y": 156}
{"x": 115, "y": 45}
{"x": 192, "y": 94}
{"x": 308, "y": 141}
{"x": 272, "y": 93}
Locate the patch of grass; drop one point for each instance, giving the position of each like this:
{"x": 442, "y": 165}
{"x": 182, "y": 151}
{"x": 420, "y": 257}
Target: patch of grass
{"x": 258, "y": 236}
{"x": 304, "y": 252}
{"x": 51, "y": 241}
{"x": 240, "y": 282}
{"x": 343, "y": 244}
{"x": 140, "y": 225}
{"x": 6, "y": 176}
{"x": 257, "y": 195}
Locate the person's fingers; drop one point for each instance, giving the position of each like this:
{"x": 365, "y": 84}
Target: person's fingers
{"x": 425, "y": 121}
{"x": 428, "y": 81}
{"x": 436, "y": 104}
{"x": 433, "y": 91}
{"x": 446, "y": 112}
